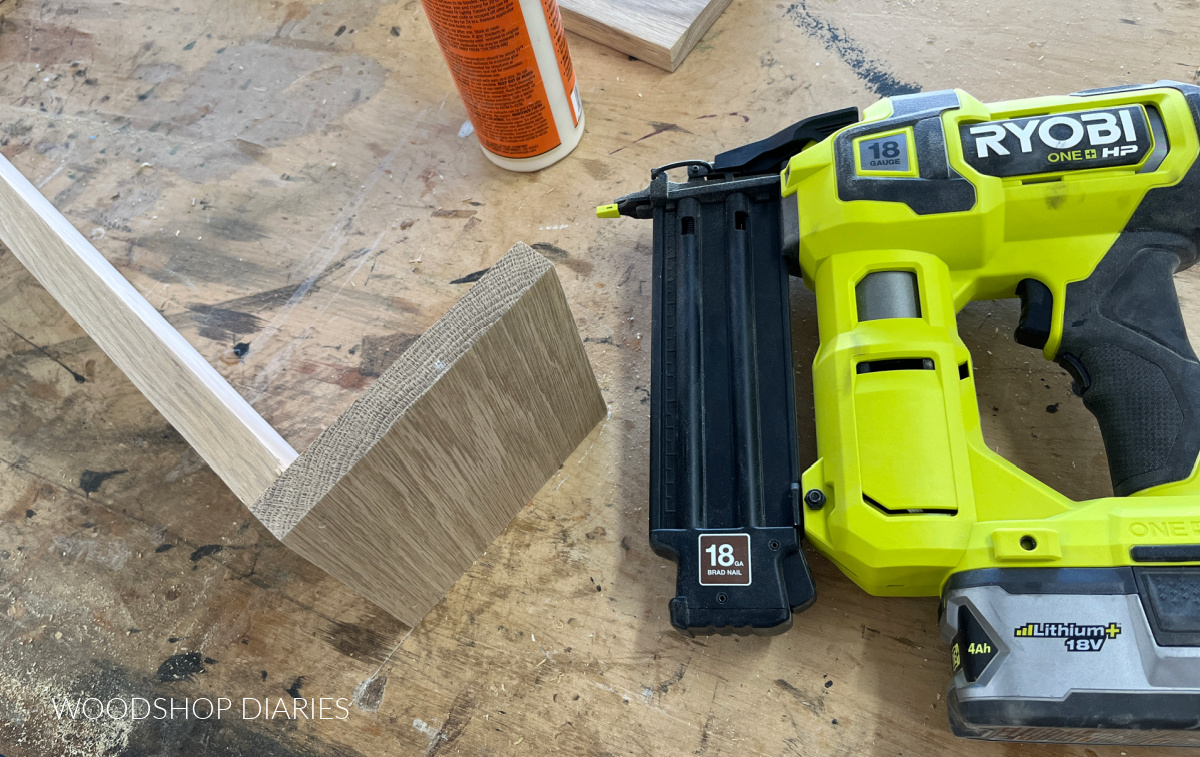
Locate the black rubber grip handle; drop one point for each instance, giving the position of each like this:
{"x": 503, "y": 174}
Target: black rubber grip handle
{"x": 1125, "y": 344}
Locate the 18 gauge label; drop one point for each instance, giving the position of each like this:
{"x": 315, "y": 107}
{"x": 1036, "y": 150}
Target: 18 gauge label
{"x": 725, "y": 559}
{"x": 1058, "y": 142}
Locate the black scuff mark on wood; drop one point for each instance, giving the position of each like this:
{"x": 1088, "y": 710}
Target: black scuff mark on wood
{"x": 181, "y": 667}
{"x": 554, "y": 252}
{"x": 559, "y": 256}
{"x": 815, "y": 703}
{"x": 456, "y": 722}
{"x": 222, "y": 324}
{"x": 659, "y": 128}
{"x": 294, "y": 689}
{"x": 205, "y": 551}
{"x": 470, "y": 278}
{"x": 705, "y": 734}
{"x": 163, "y": 548}
{"x": 665, "y": 685}
{"x": 873, "y": 72}
{"x": 79, "y": 378}
{"x": 372, "y": 639}
{"x": 90, "y": 480}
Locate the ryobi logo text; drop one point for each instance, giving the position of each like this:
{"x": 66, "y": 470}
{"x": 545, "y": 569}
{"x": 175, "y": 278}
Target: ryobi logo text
{"x": 1058, "y": 142}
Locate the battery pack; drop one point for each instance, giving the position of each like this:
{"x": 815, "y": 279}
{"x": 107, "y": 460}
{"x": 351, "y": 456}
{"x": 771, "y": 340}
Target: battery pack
{"x": 1075, "y": 655}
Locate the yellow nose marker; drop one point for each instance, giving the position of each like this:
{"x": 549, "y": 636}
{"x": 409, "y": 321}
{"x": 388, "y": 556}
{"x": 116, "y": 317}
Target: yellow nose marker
{"x": 608, "y": 211}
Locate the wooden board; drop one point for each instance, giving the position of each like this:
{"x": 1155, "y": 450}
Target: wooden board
{"x": 556, "y": 640}
{"x": 410, "y": 485}
{"x": 659, "y": 32}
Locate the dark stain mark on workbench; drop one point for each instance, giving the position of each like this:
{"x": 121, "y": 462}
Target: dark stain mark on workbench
{"x": 181, "y": 667}
{"x": 598, "y": 169}
{"x": 90, "y": 480}
{"x": 560, "y": 256}
{"x": 267, "y": 300}
{"x": 815, "y": 703}
{"x": 238, "y": 227}
{"x": 261, "y": 301}
{"x": 205, "y": 551}
{"x": 379, "y": 352}
{"x": 395, "y": 31}
{"x": 222, "y": 324}
{"x": 163, "y": 548}
{"x": 471, "y": 277}
{"x": 871, "y": 70}
{"x": 658, "y": 128}
{"x": 371, "y": 639}
{"x": 704, "y": 734}
{"x": 241, "y": 349}
{"x": 294, "y": 689}
{"x": 665, "y": 685}
{"x": 1052, "y": 408}
{"x": 456, "y": 722}
{"x": 30, "y": 513}
{"x": 340, "y": 31}
{"x": 79, "y": 378}
{"x": 554, "y": 252}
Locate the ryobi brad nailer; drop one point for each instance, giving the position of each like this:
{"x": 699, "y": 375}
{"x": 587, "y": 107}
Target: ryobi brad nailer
{"x": 1069, "y": 621}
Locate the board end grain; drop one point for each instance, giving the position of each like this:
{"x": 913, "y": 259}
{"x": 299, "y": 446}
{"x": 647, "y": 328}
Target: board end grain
{"x": 407, "y": 488}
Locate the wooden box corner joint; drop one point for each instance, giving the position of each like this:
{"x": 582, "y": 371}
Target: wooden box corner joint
{"x": 403, "y": 491}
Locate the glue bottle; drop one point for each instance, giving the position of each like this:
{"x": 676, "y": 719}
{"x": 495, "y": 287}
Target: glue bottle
{"x": 510, "y": 62}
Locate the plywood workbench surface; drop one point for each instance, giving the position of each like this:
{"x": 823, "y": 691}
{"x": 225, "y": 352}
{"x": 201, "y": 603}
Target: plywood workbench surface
{"x": 294, "y": 187}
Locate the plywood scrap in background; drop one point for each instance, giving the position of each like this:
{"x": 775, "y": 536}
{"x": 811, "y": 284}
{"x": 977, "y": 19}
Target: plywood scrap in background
{"x": 659, "y": 32}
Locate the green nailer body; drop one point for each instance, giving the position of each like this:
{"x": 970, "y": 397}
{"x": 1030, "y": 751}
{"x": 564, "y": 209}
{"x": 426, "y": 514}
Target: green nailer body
{"x": 1069, "y": 620}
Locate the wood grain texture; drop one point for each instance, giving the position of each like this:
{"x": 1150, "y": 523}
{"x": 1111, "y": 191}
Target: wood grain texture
{"x": 408, "y": 487}
{"x": 659, "y": 32}
{"x": 239, "y": 445}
